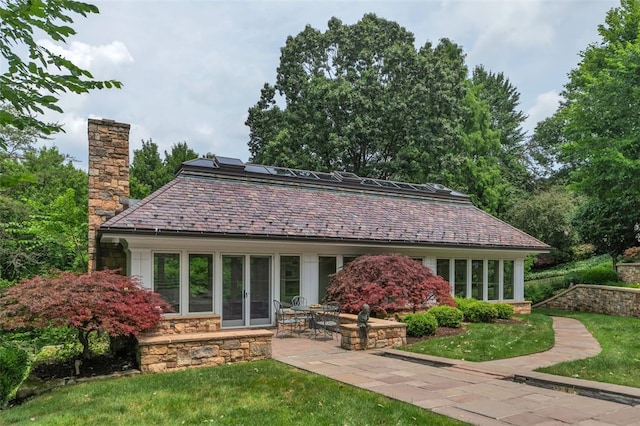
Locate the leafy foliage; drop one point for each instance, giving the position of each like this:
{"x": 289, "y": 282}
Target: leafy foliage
{"x": 599, "y": 127}
{"x": 598, "y": 275}
{"x": 362, "y": 98}
{"x": 504, "y": 310}
{"x": 149, "y": 172}
{"x": 631, "y": 255}
{"x": 388, "y": 283}
{"x": 420, "y": 324}
{"x": 14, "y": 364}
{"x": 101, "y": 301}
{"x": 476, "y": 310}
{"x": 32, "y": 82}
{"x": 447, "y": 316}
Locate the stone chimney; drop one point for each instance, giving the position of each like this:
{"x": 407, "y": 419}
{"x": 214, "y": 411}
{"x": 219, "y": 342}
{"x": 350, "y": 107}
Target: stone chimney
{"x": 108, "y": 179}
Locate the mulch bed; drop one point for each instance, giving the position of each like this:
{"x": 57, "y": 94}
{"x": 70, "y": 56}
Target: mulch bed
{"x": 100, "y": 365}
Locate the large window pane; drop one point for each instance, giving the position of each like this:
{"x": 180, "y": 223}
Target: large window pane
{"x": 166, "y": 277}
{"x": 260, "y": 267}
{"x": 200, "y": 283}
{"x": 477, "y": 274}
{"x": 442, "y": 269}
{"x": 493, "y": 279}
{"x": 232, "y": 288}
{"x": 460, "y": 278}
{"x": 289, "y": 278}
{"x": 326, "y": 267}
{"x": 507, "y": 290}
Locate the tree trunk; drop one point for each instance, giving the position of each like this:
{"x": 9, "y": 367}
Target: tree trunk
{"x": 83, "y": 336}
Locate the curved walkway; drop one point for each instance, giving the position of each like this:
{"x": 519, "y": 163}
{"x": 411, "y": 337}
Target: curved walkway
{"x": 478, "y": 393}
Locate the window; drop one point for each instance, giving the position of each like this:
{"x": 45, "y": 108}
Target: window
{"x": 493, "y": 279}
{"x": 348, "y": 259}
{"x": 477, "y": 279}
{"x": 289, "y": 277}
{"x": 460, "y": 278}
{"x": 442, "y": 269}
{"x": 326, "y": 267}
{"x": 508, "y": 284}
{"x": 166, "y": 277}
{"x": 200, "y": 283}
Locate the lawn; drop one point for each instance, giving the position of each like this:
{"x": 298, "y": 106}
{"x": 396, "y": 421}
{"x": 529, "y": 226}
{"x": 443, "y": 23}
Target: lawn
{"x": 487, "y": 341}
{"x": 619, "y": 361}
{"x": 258, "y": 393}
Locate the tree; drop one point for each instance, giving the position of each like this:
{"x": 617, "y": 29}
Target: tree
{"x": 610, "y": 227}
{"x": 32, "y": 84}
{"x": 507, "y": 119}
{"x": 147, "y": 171}
{"x": 180, "y": 152}
{"x": 548, "y": 215}
{"x": 102, "y": 301}
{"x": 388, "y": 283}
{"x": 361, "y": 98}
{"x": 600, "y": 126}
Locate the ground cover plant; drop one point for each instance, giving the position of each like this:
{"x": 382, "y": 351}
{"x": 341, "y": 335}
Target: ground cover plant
{"x": 263, "y": 392}
{"x": 618, "y": 362}
{"x": 523, "y": 335}
{"x": 388, "y": 283}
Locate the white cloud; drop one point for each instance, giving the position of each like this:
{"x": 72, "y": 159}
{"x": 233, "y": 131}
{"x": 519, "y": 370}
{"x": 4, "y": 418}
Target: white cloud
{"x": 545, "y": 106}
{"x": 91, "y": 57}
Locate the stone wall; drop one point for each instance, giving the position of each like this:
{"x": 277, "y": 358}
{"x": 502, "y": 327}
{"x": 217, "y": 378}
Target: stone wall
{"x": 108, "y": 171}
{"x": 188, "y": 324}
{"x": 629, "y": 272}
{"x": 160, "y": 353}
{"x": 619, "y": 301}
{"x": 380, "y": 334}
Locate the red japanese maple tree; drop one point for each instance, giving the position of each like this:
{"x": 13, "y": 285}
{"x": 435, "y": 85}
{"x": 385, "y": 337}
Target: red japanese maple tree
{"x": 388, "y": 283}
{"x": 99, "y": 301}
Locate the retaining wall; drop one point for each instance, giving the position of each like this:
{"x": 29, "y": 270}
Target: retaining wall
{"x": 619, "y": 301}
{"x": 629, "y": 272}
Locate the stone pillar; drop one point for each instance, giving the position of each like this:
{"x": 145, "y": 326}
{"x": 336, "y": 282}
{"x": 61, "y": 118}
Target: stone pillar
{"x": 108, "y": 172}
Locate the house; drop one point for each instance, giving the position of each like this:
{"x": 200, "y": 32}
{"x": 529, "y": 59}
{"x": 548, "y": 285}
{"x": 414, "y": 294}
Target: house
{"x": 227, "y": 237}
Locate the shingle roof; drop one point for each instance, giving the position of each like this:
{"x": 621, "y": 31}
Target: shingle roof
{"x": 258, "y": 207}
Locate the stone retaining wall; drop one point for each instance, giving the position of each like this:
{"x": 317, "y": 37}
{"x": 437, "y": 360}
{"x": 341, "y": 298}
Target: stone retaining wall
{"x": 619, "y": 301}
{"x": 188, "y": 324}
{"x": 160, "y": 353}
{"x": 629, "y": 272}
{"x": 380, "y": 334}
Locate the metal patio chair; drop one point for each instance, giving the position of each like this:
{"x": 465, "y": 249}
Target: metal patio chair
{"x": 327, "y": 320}
{"x": 284, "y": 319}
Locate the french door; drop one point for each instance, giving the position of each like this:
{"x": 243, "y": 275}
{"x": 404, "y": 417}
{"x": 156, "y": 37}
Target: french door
{"x": 246, "y": 290}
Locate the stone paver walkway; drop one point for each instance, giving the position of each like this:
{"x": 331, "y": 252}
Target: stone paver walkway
{"x": 478, "y": 393}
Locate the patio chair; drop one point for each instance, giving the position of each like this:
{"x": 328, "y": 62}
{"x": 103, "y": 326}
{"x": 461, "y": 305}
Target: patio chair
{"x": 305, "y": 317}
{"x": 327, "y": 320}
{"x": 284, "y": 319}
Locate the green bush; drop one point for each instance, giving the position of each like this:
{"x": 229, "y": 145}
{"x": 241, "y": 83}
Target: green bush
{"x": 447, "y": 316}
{"x": 504, "y": 310}
{"x": 598, "y": 275}
{"x": 420, "y": 324}
{"x": 14, "y": 365}
{"x": 463, "y": 304}
{"x": 481, "y": 312}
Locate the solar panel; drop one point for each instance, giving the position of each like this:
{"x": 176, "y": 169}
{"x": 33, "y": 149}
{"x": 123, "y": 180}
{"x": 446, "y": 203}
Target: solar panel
{"x": 280, "y": 171}
{"x": 386, "y": 183}
{"x": 252, "y": 168}
{"x": 371, "y": 182}
{"x": 201, "y": 162}
{"x": 326, "y": 176}
{"x": 227, "y": 161}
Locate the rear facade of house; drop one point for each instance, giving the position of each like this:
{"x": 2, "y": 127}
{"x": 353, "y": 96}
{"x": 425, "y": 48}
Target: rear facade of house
{"x": 227, "y": 237}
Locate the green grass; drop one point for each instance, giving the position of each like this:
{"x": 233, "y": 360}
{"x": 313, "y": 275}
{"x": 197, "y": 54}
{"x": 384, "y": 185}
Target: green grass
{"x": 619, "y": 361}
{"x": 486, "y": 341}
{"x": 259, "y": 393}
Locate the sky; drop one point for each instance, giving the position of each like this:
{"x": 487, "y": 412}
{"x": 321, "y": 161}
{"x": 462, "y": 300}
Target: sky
{"x": 192, "y": 69}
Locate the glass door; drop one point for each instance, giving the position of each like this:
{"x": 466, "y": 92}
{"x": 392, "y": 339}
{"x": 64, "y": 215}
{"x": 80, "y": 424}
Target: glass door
{"x": 246, "y": 290}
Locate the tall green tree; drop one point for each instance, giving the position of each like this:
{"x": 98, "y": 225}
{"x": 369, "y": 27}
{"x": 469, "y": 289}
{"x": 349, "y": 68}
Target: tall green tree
{"x": 180, "y": 152}
{"x": 361, "y": 98}
{"x": 600, "y": 124}
{"x": 35, "y": 77}
{"x": 43, "y": 224}
{"x": 503, "y": 100}
{"x": 147, "y": 171}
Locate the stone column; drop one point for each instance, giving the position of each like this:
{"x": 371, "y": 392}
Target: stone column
{"x": 108, "y": 172}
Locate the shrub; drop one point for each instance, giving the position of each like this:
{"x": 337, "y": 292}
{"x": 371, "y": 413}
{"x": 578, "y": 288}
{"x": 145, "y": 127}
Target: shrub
{"x": 583, "y": 251}
{"x": 388, "y": 283}
{"x": 598, "y": 275}
{"x": 631, "y": 255}
{"x": 420, "y": 324}
{"x": 447, "y": 316}
{"x": 504, "y": 310}
{"x": 477, "y": 310}
{"x": 101, "y": 301}
{"x": 14, "y": 365}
